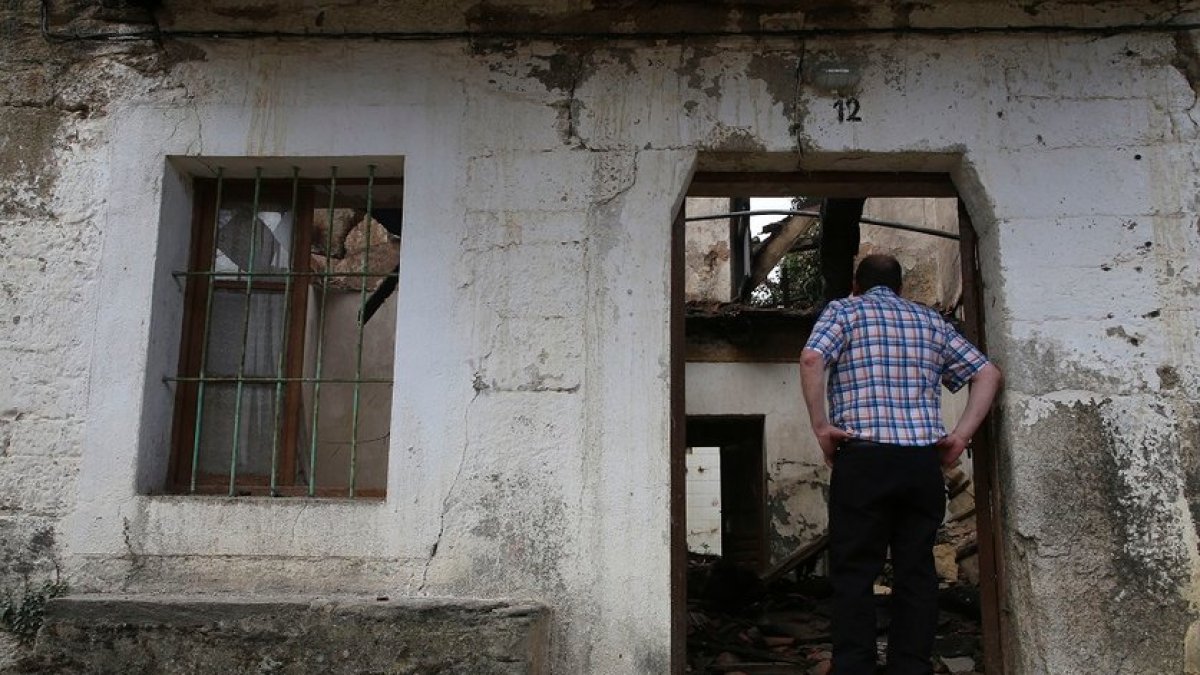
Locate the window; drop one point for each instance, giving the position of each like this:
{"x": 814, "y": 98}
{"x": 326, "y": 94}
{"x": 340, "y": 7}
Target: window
{"x": 284, "y": 385}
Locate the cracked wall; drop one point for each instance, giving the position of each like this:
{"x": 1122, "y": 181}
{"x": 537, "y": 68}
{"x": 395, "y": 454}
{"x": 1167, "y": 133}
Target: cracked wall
{"x": 529, "y": 452}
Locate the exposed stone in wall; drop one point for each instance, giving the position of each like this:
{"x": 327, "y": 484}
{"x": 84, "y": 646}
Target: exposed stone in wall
{"x": 39, "y": 388}
{"x": 707, "y": 252}
{"x": 53, "y": 100}
{"x": 932, "y": 274}
{"x": 29, "y": 551}
{"x": 351, "y": 247}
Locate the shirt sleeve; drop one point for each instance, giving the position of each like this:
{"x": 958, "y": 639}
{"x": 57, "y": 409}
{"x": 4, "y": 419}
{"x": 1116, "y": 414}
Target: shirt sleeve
{"x": 829, "y": 334}
{"x": 960, "y": 360}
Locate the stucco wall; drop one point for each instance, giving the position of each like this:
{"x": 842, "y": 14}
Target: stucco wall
{"x": 529, "y": 452}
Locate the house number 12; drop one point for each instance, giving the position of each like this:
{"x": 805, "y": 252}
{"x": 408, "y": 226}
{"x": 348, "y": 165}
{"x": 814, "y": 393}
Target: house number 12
{"x": 847, "y": 110}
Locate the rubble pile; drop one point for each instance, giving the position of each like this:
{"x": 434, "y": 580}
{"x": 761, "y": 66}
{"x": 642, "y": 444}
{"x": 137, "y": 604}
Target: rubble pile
{"x": 777, "y": 624}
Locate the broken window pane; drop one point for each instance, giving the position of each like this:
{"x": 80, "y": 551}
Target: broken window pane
{"x": 239, "y": 235}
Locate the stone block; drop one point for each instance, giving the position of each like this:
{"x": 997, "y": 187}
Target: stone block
{"x": 968, "y": 569}
{"x": 162, "y": 634}
{"x": 944, "y": 560}
{"x": 962, "y": 505}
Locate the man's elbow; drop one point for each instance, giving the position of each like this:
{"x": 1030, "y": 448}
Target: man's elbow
{"x": 989, "y": 374}
{"x": 812, "y": 359}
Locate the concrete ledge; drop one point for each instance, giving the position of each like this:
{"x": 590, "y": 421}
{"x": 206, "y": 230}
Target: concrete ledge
{"x": 133, "y": 634}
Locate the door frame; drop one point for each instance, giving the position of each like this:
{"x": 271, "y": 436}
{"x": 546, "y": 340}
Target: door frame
{"x": 988, "y": 496}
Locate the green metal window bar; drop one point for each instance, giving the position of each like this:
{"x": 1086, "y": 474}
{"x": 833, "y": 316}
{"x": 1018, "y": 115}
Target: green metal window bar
{"x": 248, "y": 278}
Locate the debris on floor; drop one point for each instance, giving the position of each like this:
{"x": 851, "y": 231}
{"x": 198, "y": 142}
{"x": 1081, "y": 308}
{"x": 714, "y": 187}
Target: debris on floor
{"x": 778, "y": 623}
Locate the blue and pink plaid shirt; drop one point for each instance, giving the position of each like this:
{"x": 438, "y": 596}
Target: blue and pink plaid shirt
{"x": 888, "y": 358}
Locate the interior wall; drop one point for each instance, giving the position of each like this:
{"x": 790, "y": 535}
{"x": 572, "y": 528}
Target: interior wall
{"x": 340, "y": 360}
{"x": 932, "y": 266}
{"x": 797, "y": 478}
{"x": 708, "y": 248}
{"x": 704, "y": 500}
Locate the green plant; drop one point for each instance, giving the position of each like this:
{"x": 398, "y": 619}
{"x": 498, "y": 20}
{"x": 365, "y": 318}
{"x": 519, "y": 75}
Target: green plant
{"x": 21, "y": 615}
{"x": 794, "y": 283}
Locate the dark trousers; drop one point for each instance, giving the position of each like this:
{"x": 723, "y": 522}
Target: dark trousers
{"x": 881, "y": 497}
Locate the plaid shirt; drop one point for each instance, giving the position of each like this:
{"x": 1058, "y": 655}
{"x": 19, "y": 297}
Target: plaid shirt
{"x": 887, "y": 356}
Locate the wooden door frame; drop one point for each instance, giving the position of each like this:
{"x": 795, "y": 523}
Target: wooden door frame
{"x": 988, "y": 514}
{"x": 678, "y": 449}
{"x": 988, "y": 497}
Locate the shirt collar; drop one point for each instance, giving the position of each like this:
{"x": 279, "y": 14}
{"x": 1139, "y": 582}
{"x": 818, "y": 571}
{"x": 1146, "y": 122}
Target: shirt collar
{"x": 879, "y": 290}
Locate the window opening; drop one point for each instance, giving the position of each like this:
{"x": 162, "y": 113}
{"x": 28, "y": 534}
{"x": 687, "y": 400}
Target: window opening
{"x": 284, "y": 385}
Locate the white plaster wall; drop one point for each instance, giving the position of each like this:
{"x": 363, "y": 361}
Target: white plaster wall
{"x": 529, "y": 352}
{"x": 797, "y": 480}
{"x": 703, "y": 490}
{"x": 529, "y": 430}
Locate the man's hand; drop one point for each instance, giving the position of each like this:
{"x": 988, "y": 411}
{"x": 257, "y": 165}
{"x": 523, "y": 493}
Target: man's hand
{"x": 829, "y": 438}
{"x": 950, "y": 447}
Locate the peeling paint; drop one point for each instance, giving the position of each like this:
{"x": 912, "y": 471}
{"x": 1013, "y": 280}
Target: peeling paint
{"x": 727, "y": 139}
{"x": 1040, "y": 365}
{"x": 1115, "y": 542}
{"x": 513, "y": 550}
{"x": 789, "y": 506}
{"x": 1187, "y": 61}
{"x": 780, "y": 74}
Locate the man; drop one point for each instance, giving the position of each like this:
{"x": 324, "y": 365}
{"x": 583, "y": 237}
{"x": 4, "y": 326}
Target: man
{"x": 885, "y": 442}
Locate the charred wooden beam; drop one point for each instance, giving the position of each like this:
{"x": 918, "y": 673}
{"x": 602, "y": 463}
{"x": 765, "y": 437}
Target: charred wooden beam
{"x": 801, "y": 556}
{"x": 785, "y": 237}
{"x": 821, "y": 184}
{"x": 739, "y": 248}
{"x": 840, "y": 234}
{"x": 763, "y": 336}
{"x": 381, "y": 294}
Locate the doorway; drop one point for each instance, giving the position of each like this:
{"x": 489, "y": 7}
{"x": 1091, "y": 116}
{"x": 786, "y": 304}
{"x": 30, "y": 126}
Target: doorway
{"x": 726, "y": 489}
{"x": 765, "y": 304}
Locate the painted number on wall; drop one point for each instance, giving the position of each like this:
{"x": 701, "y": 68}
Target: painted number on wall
{"x": 847, "y": 110}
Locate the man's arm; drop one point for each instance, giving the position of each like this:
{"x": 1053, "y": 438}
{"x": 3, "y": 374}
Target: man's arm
{"x": 812, "y": 380}
{"x": 984, "y": 386}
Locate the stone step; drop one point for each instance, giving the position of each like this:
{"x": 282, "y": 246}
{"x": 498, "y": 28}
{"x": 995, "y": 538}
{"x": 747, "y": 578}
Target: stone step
{"x": 131, "y": 634}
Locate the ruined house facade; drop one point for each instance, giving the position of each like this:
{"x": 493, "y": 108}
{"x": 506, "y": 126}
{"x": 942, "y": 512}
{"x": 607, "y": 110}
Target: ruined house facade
{"x": 544, "y": 151}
